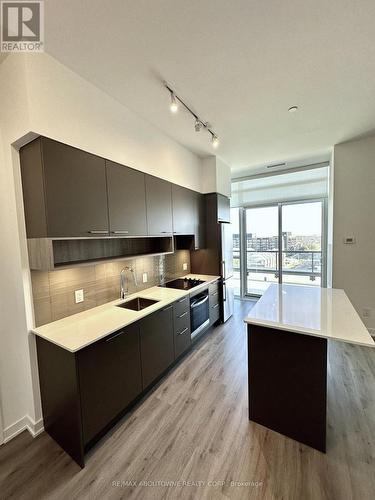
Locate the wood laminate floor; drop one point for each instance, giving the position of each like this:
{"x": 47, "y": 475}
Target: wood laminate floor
{"x": 194, "y": 427}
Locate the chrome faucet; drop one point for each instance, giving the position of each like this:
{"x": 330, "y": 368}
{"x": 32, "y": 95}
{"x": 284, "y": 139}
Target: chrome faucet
{"x": 124, "y": 290}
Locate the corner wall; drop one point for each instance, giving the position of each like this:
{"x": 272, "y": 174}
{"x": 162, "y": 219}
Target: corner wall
{"x": 38, "y": 94}
{"x": 353, "y": 215}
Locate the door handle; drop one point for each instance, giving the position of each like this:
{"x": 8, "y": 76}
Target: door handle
{"x": 114, "y": 337}
{"x": 223, "y": 268}
{"x": 224, "y": 292}
{"x": 199, "y": 303}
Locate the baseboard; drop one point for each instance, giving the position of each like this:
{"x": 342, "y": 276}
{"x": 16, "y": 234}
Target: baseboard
{"x": 24, "y": 423}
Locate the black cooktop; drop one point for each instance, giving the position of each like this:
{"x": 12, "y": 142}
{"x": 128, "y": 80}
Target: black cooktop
{"x": 183, "y": 283}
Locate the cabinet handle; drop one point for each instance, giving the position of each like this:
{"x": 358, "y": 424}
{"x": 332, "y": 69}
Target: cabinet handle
{"x": 120, "y": 232}
{"x": 95, "y": 231}
{"x": 215, "y": 306}
{"x": 166, "y": 308}
{"x": 183, "y": 314}
{"x": 114, "y": 336}
{"x": 184, "y": 331}
{"x": 182, "y": 300}
{"x": 215, "y": 294}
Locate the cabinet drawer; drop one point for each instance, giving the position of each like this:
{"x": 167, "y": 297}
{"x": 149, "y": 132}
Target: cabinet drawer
{"x": 182, "y": 305}
{"x": 214, "y": 293}
{"x": 214, "y": 313}
{"x": 181, "y": 322}
{"x": 213, "y": 288}
{"x": 182, "y": 339}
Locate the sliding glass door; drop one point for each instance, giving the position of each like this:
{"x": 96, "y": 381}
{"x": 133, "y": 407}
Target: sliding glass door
{"x": 262, "y": 249}
{"x": 302, "y": 243}
{"x": 282, "y": 243}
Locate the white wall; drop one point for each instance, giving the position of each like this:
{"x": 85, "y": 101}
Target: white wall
{"x": 216, "y": 176}
{"x": 16, "y": 383}
{"x": 354, "y": 209}
{"x": 66, "y": 107}
{"x": 38, "y": 94}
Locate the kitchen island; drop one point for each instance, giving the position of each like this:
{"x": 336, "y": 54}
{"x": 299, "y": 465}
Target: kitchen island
{"x": 287, "y": 334}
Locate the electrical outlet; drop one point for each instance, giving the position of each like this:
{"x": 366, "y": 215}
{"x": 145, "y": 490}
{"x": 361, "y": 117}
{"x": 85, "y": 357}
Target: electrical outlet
{"x": 366, "y": 312}
{"x": 78, "y": 295}
{"x": 184, "y": 266}
{"x": 144, "y": 278}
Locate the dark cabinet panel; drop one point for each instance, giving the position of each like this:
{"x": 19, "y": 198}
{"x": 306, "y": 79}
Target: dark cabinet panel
{"x": 157, "y": 352}
{"x": 200, "y": 221}
{"x": 110, "y": 378}
{"x": 126, "y": 200}
{"x": 75, "y": 191}
{"x": 59, "y": 390}
{"x": 159, "y": 206}
{"x": 184, "y": 210}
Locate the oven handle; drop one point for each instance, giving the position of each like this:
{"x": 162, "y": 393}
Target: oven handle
{"x": 200, "y": 302}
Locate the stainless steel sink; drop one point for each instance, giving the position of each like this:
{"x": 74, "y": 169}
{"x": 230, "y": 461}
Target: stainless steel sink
{"x": 137, "y": 304}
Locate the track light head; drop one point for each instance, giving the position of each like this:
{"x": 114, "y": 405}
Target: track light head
{"x": 215, "y": 141}
{"x": 173, "y": 105}
{"x": 198, "y": 125}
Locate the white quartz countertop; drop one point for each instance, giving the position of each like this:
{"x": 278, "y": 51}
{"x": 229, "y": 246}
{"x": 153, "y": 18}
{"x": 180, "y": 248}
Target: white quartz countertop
{"x": 321, "y": 312}
{"x": 80, "y": 330}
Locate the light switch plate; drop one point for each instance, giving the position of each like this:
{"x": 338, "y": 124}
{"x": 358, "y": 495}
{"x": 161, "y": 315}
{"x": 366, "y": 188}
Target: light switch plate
{"x": 144, "y": 278}
{"x": 184, "y": 266}
{"x": 78, "y": 295}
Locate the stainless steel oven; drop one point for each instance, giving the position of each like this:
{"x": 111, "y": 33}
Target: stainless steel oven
{"x": 199, "y": 313}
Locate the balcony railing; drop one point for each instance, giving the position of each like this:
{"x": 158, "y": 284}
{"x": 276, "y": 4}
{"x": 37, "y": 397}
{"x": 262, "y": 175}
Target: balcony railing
{"x": 295, "y": 262}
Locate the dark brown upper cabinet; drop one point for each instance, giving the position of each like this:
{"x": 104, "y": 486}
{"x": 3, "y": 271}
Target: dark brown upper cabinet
{"x": 126, "y": 200}
{"x": 223, "y": 208}
{"x": 159, "y": 206}
{"x": 64, "y": 191}
{"x": 184, "y": 210}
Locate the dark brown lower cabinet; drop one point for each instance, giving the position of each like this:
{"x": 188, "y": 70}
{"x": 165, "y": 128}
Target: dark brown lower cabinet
{"x": 83, "y": 392}
{"x": 110, "y": 379}
{"x": 157, "y": 351}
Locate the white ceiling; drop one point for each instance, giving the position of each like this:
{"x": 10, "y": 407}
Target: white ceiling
{"x": 240, "y": 63}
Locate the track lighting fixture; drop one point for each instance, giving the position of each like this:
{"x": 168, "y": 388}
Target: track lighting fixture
{"x": 199, "y": 124}
{"x": 215, "y": 141}
{"x": 174, "y": 105}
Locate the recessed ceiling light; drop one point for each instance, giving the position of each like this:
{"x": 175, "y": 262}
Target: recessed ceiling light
{"x": 293, "y": 109}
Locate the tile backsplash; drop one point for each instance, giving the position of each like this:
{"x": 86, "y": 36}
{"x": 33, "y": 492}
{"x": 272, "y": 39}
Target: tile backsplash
{"x": 53, "y": 291}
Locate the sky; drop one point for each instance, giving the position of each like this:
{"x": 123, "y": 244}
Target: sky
{"x": 300, "y": 219}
